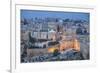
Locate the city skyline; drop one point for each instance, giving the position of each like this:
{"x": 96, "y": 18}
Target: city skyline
{"x": 54, "y": 36}
{"x": 52, "y": 14}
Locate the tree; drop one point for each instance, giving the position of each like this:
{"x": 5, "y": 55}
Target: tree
{"x": 85, "y": 31}
{"x": 66, "y": 20}
{"x": 79, "y": 31}
{"x": 56, "y": 52}
{"x": 32, "y": 40}
{"x": 25, "y": 21}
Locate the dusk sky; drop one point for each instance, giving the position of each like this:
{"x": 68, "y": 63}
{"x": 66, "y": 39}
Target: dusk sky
{"x": 56, "y": 14}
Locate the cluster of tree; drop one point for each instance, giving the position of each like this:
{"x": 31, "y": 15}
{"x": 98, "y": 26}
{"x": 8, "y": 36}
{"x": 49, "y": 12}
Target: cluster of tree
{"x": 24, "y": 54}
{"x": 81, "y": 31}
